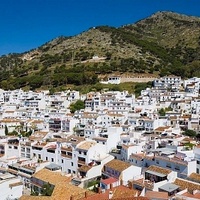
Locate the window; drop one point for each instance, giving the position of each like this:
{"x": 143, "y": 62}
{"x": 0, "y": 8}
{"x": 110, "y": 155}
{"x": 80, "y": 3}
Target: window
{"x": 46, "y": 158}
{"x": 198, "y": 162}
{"x": 177, "y": 168}
{"x": 10, "y": 147}
{"x": 85, "y": 153}
{"x": 72, "y": 164}
{"x": 52, "y": 160}
{"x": 168, "y": 165}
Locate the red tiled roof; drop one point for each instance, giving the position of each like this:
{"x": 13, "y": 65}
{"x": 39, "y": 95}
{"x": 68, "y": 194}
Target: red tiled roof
{"x": 157, "y": 195}
{"x": 109, "y": 180}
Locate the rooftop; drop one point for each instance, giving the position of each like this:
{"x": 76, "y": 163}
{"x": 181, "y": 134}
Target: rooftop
{"x": 118, "y": 165}
{"x": 109, "y": 180}
{"x": 161, "y": 128}
{"x": 86, "y": 145}
{"x": 194, "y": 177}
{"x": 160, "y": 170}
{"x": 157, "y": 195}
{"x": 63, "y": 188}
{"x": 169, "y": 187}
{"x": 53, "y": 167}
{"x": 191, "y": 186}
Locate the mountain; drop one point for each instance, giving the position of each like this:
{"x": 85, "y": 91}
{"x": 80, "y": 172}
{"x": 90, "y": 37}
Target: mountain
{"x": 162, "y": 44}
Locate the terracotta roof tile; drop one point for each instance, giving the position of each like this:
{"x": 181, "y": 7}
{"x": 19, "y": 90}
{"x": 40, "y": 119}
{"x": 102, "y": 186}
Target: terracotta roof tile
{"x": 159, "y": 169}
{"x": 157, "y": 195}
{"x": 118, "y": 165}
{"x": 109, "y": 180}
{"x": 162, "y": 128}
{"x": 191, "y": 186}
{"x": 86, "y": 145}
{"x": 195, "y": 177}
{"x": 63, "y": 188}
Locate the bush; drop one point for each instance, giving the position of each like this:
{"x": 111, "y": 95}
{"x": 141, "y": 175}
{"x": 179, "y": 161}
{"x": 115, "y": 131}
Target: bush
{"x": 190, "y": 133}
{"x": 77, "y": 106}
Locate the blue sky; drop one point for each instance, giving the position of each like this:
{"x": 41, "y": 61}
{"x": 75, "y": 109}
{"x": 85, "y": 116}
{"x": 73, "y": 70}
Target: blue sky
{"x": 27, "y": 24}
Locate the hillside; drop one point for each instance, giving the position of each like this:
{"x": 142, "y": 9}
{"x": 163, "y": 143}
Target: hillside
{"x": 164, "y": 43}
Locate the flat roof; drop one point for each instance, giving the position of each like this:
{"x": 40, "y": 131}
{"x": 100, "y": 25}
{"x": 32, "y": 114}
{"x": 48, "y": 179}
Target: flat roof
{"x": 109, "y": 180}
{"x": 6, "y": 176}
{"x": 169, "y": 187}
{"x": 167, "y": 152}
{"x": 53, "y": 166}
{"x": 156, "y": 173}
{"x": 164, "y": 150}
{"x": 27, "y": 169}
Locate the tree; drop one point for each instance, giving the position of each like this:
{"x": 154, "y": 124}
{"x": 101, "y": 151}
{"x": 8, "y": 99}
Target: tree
{"x": 47, "y": 189}
{"x": 190, "y": 133}
{"x": 77, "y": 106}
{"x": 34, "y": 191}
{"x": 6, "y": 130}
{"x": 198, "y": 136}
{"x": 162, "y": 112}
{"x": 141, "y": 86}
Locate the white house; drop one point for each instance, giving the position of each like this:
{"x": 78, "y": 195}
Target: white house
{"x": 11, "y": 186}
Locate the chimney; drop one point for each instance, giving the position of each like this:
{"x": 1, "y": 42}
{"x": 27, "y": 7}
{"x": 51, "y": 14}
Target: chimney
{"x": 130, "y": 185}
{"x": 71, "y": 197}
{"x": 110, "y": 195}
{"x": 111, "y": 186}
{"x": 99, "y": 190}
{"x": 86, "y": 194}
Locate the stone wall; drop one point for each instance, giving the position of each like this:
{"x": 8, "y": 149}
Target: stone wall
{"x": 137, "y": 79}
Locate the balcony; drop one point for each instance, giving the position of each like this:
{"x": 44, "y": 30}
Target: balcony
{"x": 66, "y": 154}
{"x": 81, "y": 162}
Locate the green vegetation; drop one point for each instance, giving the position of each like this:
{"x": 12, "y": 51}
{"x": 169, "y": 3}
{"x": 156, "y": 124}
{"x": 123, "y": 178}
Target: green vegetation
{"x": 190, "y": 133}
{"x": 47, "y": 189}
{"x": 162, "y": 111}
{"x": 141, "y": 86}
{"x": 78, "y": 105}
{"x": 128, "y": 86}
{"x": 94, "y": 185}
{"x": 189, "y": 146}
{"x": 34, "y": 191}
{"x": 6, "y": 130}
{"x": 157, "y": 45}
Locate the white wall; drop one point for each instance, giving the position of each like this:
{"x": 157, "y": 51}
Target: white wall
{"x": 192, "y": 165}
{"x": 97, "y": 170}
{"x": 7, "y": 192}
{"x": 130, "y": 172}
{"x": 159, "y": 184}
